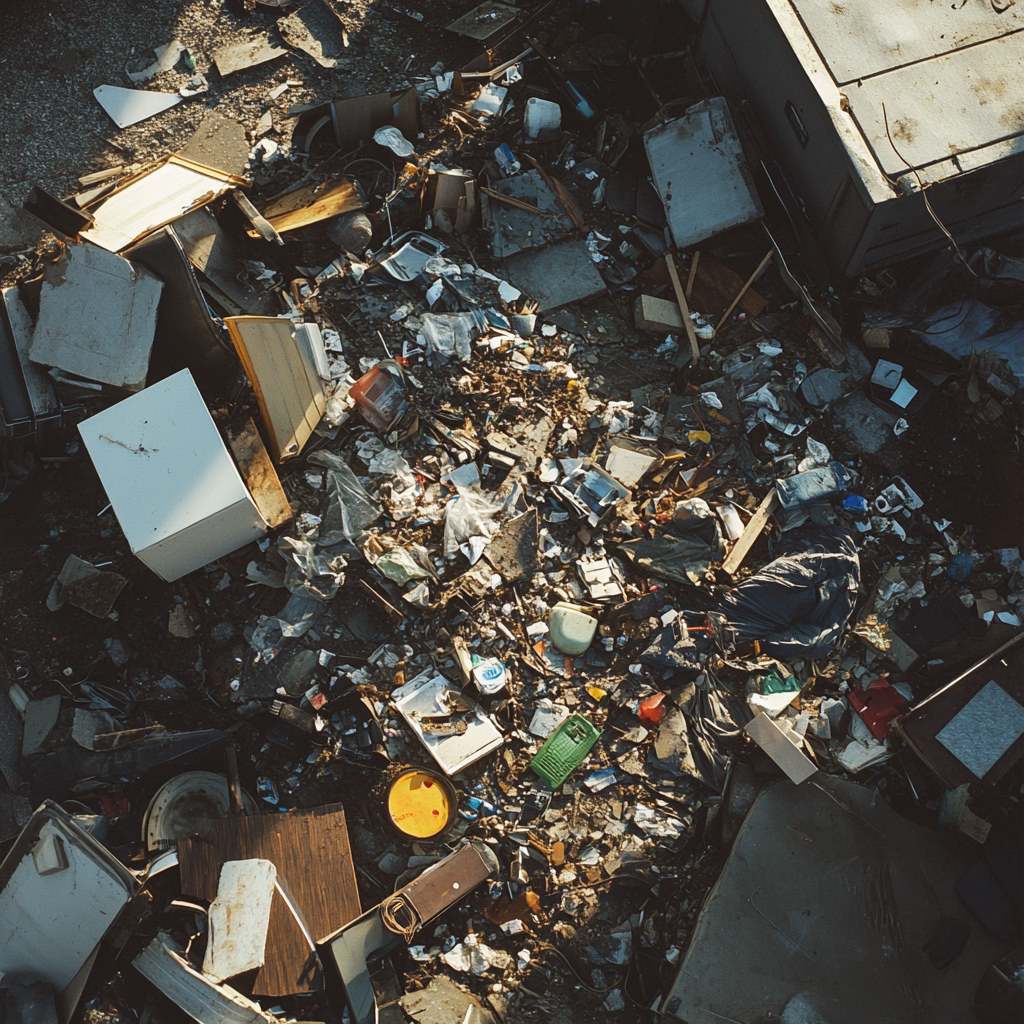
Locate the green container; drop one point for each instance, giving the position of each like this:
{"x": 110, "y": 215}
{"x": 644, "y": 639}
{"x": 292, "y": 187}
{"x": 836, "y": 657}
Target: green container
{"x": 564, "y": 750}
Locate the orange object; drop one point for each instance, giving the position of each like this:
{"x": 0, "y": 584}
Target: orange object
{"x": 650, "y": 710}
{"x": 379, "y": 395}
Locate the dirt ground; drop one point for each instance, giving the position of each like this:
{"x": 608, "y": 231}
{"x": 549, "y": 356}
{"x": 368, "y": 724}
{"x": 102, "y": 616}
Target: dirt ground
{"x": 53, "y": 54}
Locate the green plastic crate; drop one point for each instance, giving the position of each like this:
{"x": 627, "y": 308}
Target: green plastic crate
{"x": 564, "y": 750}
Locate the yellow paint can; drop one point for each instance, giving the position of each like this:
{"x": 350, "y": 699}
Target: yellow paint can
{"x": 421, "y": 804}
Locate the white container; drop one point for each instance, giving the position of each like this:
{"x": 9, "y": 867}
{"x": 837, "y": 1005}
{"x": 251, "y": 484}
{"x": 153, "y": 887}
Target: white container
{"x": 541, "y": 116}
{"x": 175, "y": 489}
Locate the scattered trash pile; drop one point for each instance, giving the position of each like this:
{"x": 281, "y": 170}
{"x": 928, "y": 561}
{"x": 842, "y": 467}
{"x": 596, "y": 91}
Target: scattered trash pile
{"x": 523, "y": 520}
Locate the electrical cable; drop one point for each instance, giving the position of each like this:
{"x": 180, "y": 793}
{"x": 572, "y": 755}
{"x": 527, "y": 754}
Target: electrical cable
{"x": 393, "y": 910}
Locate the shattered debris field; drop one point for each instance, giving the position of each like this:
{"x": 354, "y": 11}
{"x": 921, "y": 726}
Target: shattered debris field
{"x": 484, "y": 539}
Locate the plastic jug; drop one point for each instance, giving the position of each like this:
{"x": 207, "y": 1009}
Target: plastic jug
{"x": 541, "y": 116}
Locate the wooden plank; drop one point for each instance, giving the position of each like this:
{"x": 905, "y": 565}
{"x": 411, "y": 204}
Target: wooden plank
{"x": 684, "y": 309}
{"x": 310, "y": 204}
{"x": 694, "y": 264}
{"x": 751, "y": 532}
{"x": 259, "y": 474}
{"x": 314, "y": 863}
{"x": 716, "y": 283}
{"x": 758, "y": 271}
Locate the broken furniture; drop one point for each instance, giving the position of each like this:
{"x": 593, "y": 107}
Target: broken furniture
{"x": 701, "y": 174}
{"x": 311, "y": 204}
{"x": 60, "y": 892}
{"x": 173, "y": 486}
{"x": 215, "y": 255}
{"x": 827, "y": 904}
{"x": 186, "y": 335}
{"x": 154, "y": 197}
{"x": 97, "y": 317}
{"x": 972, "y": 729}
{"x": 286, "y": 365}
{"x": 400, "y": 916}
{"x": 317, "y": 883}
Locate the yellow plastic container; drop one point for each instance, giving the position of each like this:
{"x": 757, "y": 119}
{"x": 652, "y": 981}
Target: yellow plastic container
{"x": 421, "y": 804}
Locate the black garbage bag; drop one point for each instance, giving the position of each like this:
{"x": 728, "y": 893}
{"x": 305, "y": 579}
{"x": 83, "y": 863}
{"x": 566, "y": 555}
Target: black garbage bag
{"x": 798, "y": 605}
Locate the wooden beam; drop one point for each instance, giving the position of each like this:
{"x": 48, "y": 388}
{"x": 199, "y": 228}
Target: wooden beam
{"x": 694, "y": 263}
{"x": 684, "y": 309}
{"x": 753, "y": 530}
{"x": 758, "y": 271}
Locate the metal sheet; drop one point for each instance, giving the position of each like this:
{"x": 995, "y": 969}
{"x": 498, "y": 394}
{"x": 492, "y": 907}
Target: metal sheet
{"x": 51, "y": 924}
{"x": 962, "y": 101}
{"x": 858, "y": 38}
{"x": 97, "y": 317}
{"x": 239, "y": 918}
{"x": 129, "y": 106}
{"x": 163, "y": 966}
{"x": 829, "y": 895}
{"x": 558, "y": 274}
{"x": 513, "y": 229}
{"x": 701, "y": 174}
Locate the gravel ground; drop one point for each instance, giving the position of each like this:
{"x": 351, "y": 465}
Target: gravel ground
{"x": 53, "y": 53}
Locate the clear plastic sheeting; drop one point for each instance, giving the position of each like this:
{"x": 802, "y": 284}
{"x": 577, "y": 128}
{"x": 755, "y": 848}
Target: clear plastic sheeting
{"x": 295, "y": 619}
{"x": 469, "y": 516}
{"x": 310, "y": 569}
{"x": 448, "y": 336}
{"x": 349, "y": 509}
{"x": 799, "y": 604}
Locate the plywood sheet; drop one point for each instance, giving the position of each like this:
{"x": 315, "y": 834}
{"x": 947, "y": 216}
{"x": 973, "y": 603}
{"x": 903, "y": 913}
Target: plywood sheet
{"x": 314, "y": 867}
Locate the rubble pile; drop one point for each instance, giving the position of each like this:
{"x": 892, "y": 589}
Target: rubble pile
{"x": 490, "y": 511}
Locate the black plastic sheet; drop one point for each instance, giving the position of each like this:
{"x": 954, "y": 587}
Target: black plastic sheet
{"x": 799, "y": 604}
